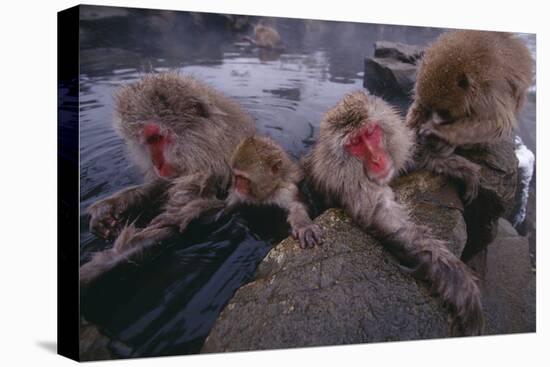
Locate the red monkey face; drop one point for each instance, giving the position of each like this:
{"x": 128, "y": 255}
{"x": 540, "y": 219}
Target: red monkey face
{"x": 368, "y": 146}
{"x": 242, "y": 184}
{"x": 158, "y": 143}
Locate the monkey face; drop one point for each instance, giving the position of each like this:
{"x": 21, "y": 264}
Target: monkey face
{"x": 255, "y": 183}
{"x": 368, "y": 145}
{"x": 158, "y": 144}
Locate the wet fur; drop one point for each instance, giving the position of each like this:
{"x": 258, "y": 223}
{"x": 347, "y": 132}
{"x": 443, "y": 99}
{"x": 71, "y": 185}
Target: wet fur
{"x": 256, "y": 156}
{"x": 205, "y": 128}
{"x": 338, "y": 176}
{"x": 480, "y": 79}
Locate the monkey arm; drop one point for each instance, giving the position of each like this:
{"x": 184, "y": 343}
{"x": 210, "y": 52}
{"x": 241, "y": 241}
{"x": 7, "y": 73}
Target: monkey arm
{"x": 308, "y": 233}
{"x": 182, "y": 216}
{"x": 416, "y": 116}
{"x": 470, "y": 130}
{"x": 107, "y": 215}
{"x": 455, "y": 166}
{"x": 188, "y": 198}
{"x": 430, "y": 260}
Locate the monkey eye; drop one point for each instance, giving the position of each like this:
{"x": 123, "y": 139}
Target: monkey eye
{"x": 444, "y": 114}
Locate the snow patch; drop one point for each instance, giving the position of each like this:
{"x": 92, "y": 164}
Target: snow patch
{"x": 526, "y": 167}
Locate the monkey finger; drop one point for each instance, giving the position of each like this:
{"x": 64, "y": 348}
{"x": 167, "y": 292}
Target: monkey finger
{"x": 318, "y": 237}
{"x": 101, "y": 228}
{"x": 310, "y": 238}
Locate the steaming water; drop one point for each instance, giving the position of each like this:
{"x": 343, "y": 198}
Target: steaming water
{"x": 169, "y": 305}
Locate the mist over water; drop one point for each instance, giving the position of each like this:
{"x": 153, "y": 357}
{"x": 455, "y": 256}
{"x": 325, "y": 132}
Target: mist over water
{"x": 169, "y": 305}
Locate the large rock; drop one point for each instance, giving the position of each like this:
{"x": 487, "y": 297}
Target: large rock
{"x": 388, "y": 76}
{"x": 350, "y": 290}
{"x": 400, "y": 51}
{"x": 391, "y": 73}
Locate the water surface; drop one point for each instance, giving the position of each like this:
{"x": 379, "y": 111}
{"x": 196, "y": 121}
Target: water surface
{"x": 169, "y": 305}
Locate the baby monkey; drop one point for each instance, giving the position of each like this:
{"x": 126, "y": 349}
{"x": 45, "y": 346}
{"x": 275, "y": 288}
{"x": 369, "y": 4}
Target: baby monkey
{"x": 469, "y": 90}
{"x": 264, "y": 174}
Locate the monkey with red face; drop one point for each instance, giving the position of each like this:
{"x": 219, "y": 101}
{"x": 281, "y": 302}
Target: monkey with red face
{"x": 264, "y": 174}
{"x": 362, "y": 145}
{"x": 181, "y": 133}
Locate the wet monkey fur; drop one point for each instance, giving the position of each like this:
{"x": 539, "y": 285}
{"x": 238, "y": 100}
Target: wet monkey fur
{"x": 470, "y": 87}
{"x": 181, "y": 133}
{"x": 363, "y": 144}
{"x": 264, "y": 174}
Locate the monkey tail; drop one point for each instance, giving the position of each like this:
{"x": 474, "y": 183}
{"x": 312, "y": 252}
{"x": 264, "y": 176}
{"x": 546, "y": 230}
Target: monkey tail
{"x": 453, "y": 281}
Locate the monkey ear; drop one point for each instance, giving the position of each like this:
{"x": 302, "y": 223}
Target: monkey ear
{"x": 276, "y": 167}
{"x": 463, "y": 81}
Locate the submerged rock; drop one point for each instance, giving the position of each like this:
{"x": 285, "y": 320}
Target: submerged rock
{"x": 349, "y": 290}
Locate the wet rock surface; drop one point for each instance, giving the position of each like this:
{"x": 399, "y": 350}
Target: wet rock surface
{"x": 94, "y": 345}
{"x": 391, "y": 73}
{"x": 349, "y": 290}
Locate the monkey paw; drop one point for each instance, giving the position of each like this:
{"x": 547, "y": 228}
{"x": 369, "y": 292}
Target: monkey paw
{"x": 308, "y": 236}
{"x": 471, "y": 184}
{"x": 106, "y": 217}
{"x": 430, "y": 131}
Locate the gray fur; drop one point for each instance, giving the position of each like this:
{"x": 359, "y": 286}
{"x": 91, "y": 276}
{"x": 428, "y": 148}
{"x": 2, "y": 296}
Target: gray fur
{"x": 341, "y": 179}
{"x": 205, "y": 127}
{"x": 255, "y": 156}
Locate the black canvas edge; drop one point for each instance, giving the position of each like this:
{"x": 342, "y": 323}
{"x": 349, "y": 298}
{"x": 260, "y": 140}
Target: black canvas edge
{"x": 68, "y": 302}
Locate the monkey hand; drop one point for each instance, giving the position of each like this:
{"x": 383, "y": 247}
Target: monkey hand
{"x": 106, "y": 217}
{"x": 472, "y": 179}
{"x": 430, "y": 130}
{"x": 308, "y": 236}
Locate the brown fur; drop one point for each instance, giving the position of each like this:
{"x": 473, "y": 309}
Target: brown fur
{"x": 266, "y": 36}
{"x": 274, "y": 179}
{"x": 341, "y": 179}
{"x": 469, "y": 89}
{"x": 205, "y": 128}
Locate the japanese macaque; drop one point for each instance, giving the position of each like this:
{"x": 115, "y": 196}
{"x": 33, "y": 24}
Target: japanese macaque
{"x": 363, "y": 144}
{"x": 469, "y": 89}
{"x": 264, "y": 174}
{"x": 181, "y": 133}
{"x": 265, "y": 35}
